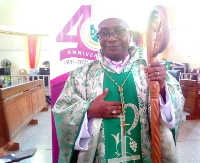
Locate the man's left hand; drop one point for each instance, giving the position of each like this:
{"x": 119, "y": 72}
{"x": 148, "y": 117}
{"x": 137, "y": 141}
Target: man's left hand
{"x": 157, "y": 72}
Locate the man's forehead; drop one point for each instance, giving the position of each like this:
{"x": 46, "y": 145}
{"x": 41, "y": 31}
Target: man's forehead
{"x": 112, "y": 23}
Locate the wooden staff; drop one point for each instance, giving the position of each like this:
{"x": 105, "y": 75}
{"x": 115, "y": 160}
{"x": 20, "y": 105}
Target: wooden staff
{"x": 157, "y": 37}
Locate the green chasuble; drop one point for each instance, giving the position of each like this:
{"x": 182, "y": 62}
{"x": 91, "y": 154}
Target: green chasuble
{"x": 120, "y": 147}
{"x": 84, "y": 85}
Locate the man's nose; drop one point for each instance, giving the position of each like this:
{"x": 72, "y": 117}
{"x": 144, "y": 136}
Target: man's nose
{"x": 111, "y": 36}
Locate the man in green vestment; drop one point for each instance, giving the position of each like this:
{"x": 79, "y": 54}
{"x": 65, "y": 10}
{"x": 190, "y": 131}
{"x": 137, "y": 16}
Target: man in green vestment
{"x": 103, "y": 112}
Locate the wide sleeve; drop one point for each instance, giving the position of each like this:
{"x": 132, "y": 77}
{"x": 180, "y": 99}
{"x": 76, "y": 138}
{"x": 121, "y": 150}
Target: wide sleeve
{"x": 167, "y": 110}
{"x": 178, "y": 101}
{"x": 69, "y": 111}
{"x": 168, "y": 136}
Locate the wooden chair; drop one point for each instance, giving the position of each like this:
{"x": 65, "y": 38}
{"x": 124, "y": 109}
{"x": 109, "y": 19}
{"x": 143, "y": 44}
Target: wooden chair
{"x": 190, "y": 89}
{"x": 19, "y": 105}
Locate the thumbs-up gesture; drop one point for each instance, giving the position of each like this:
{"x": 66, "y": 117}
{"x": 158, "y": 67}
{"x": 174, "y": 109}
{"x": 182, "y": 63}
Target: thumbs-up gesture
{"x": 104, "y": 109}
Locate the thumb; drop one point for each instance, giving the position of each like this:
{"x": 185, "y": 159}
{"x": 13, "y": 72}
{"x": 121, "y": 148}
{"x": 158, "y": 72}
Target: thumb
{"x": 104, "y": 94}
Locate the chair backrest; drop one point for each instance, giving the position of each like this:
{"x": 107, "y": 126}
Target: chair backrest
{"x": 175, "y": 73}
{"x": 190, "y": 89}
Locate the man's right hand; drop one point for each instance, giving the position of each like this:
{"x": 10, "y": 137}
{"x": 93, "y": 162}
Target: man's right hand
{"x": 104, "y": 109}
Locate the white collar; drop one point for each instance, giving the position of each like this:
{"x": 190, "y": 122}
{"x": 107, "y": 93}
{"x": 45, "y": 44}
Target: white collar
{"x": 117, "y": 66}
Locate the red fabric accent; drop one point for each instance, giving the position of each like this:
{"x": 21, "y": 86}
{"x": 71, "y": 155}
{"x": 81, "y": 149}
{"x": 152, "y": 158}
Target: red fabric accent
{"x": 32, "y": 41}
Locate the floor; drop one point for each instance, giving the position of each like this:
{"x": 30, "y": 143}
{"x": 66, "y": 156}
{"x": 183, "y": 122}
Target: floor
{"x": 39, "y": 136}
{"x": 188, "y": 143}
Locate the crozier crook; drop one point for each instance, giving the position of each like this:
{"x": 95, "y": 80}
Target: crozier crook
{"x": 157, "y": 37}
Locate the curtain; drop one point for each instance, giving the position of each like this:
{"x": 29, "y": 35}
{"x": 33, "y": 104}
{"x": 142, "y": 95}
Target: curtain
{"x": 32, "y": 46}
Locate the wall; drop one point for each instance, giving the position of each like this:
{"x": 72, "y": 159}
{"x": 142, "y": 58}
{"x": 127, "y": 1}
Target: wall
{"x": 183, "y": 49}
{"x": 12, "y": 48}
{"x": 183, "y": 46}
{"x": 22, "y": 16}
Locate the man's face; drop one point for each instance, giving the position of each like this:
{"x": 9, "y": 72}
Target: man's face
{"x": 113, "y": 47}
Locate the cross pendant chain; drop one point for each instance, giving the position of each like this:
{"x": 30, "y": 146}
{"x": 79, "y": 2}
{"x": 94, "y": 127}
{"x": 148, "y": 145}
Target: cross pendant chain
{"x": 123, "y": 125}
{"x": 120, "y": 89}
{"x": 122, "y": 100}
{"x": 123, "y": 118}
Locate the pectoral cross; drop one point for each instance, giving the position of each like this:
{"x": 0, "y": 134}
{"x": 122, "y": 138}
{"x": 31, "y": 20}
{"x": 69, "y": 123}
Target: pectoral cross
{"x": 123, "y": 125}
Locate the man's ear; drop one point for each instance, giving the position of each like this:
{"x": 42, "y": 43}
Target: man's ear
{"x": 136, "y": 36}
{"x": 130, "y": 32}
{"x": 130, "y": 37}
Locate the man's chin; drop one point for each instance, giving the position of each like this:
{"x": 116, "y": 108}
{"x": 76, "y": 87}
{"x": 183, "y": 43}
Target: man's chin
{"x": 114, "y": 51}
{"x": 115, "y": 56}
